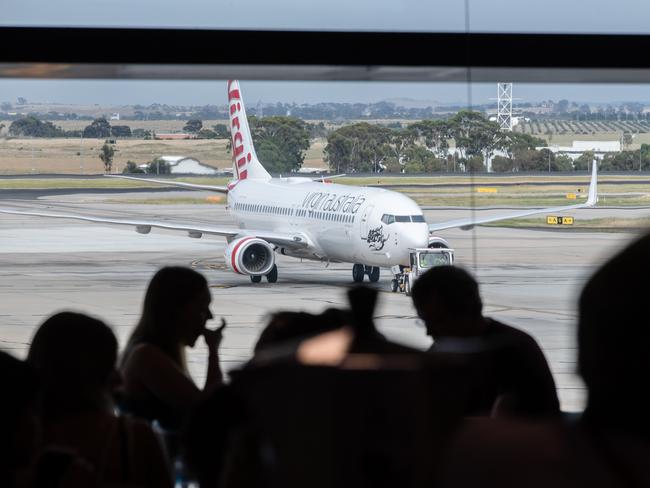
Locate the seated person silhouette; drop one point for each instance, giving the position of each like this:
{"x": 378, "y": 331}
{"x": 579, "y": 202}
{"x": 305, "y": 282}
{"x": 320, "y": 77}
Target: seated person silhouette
{"x": 511, "y": 375}
{"x": 157, "y": 384}
{"x": 18, "y": 423}
{"x": 609, "y": 446}
{"x": 75, "y": 357}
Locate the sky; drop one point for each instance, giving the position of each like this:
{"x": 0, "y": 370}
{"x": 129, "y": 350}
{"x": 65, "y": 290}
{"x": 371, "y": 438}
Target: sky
{"x": 559, "y": 16}
{"x": 146, "y": 92}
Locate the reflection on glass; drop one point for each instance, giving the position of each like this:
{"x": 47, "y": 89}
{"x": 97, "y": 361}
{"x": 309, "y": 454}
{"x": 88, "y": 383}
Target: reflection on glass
{"x": 420, "y": 140}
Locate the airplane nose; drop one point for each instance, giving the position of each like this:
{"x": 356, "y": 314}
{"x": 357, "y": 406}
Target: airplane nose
{"x": 417, "y": 236}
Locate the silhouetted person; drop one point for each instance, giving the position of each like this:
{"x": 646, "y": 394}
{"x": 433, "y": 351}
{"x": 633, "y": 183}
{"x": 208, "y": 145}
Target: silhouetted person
{"x": 610, "y": 445}
{"x": 19, "y": 438}
{"x": 367, "y": 339}
{"x": 511, "y": 374}
{"x": 285, "y": 330}
{"x": 157, "y": 384}
{"x": 75, "y": 357}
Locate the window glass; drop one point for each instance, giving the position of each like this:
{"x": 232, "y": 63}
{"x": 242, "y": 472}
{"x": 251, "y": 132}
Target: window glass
{"x": 429, "y": 260}
{"x": 417, "y": 218}
{"x": 388, "y": 219}
{"x": 559, "y": 16}
{"x": 364, "y": 15}
{"x": 402, "y": 218}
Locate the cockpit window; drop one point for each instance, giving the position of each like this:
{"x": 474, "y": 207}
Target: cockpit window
{"x": 387, "y": 219}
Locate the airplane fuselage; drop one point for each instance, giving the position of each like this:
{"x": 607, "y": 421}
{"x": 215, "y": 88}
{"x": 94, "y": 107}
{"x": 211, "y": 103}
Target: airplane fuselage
{"x": 342, "y": 223}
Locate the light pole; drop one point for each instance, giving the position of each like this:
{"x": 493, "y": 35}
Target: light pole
{"x": 81, "y": 157}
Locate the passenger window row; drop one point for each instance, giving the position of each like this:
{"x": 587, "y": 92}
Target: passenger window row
{"x": 254, "y": 207}
{"x": 389, "y": 219}
{"x": 312, "y": 214}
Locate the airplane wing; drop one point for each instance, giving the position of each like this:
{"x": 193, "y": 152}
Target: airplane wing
{"x": 469, "y": 223}
{"x": 180, "y": 184}
{"x": 323, "y": 179}
{"x": 291, "y": 240}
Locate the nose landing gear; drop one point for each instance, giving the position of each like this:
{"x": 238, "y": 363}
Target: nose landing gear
{"x": 359, "y": 271}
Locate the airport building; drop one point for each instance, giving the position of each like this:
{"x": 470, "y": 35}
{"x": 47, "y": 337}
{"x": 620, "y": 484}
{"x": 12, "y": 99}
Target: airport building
{"x": 578, "y": 148}
{"x": 187, "y": 165}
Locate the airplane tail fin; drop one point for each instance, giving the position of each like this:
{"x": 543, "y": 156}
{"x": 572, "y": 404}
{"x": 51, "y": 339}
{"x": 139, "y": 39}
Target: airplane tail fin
{"x": 244, "y": 159}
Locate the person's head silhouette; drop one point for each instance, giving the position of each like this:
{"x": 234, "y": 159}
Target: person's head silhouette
{"x": 447, "y": 299}
{"x": 75, "y": 358}
{"x": 613, "y": 338}
{"x": 175, "y": 311}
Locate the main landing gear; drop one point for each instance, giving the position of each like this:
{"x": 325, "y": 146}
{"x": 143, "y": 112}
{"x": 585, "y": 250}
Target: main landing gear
{"x": 359, "y": 271}
{"x": 271, "y": 277}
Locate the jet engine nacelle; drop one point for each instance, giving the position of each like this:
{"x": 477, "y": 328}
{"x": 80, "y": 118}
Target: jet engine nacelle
{"x": 250, "y": 256}
{"x": 437, "y": 243}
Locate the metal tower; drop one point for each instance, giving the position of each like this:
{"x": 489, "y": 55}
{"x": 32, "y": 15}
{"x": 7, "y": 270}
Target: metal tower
{"x": 504, "y": 106}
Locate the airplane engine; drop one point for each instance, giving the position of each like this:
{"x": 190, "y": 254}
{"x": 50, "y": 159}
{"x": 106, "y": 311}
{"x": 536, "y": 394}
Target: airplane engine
{"x": 250, "y": 256}
{"x": 437, "y": 243}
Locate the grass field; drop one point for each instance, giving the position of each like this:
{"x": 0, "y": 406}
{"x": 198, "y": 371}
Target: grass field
{"x": 77, "y": 156}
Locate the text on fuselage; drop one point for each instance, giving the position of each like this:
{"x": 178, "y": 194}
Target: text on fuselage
{"x": 331, "y": 202}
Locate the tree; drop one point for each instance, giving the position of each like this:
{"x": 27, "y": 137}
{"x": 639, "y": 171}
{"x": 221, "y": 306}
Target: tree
{"x": 361, "y": 147}
{"x": 400, "y": 143}
{"x": 132, "y": 167}
{"x": 99, "y": 128}
{"x": 221, "y": 131}
{"x": 562, "y": 163}
{"x": 583, "y": 162}
{"x": 626, "y": 139}
{"x": 193, "y": 126}
{"x": 434, "y": 134}
{"x": 475, "y": 164}
{"x": 121, "y": 131}
{"x": 159, "y": 167}
{"x": 281, "y": 142}
{"x": 501, "y": 164}
{"x": 142, "y": 133}
{"x": 475, "y": 135}
{"x": 32, "y": 127}
{"x": 206, "y": 134}
{"x": 106, "y": 155}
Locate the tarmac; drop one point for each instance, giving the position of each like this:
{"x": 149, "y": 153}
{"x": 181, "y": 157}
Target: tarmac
{"x": 529, "y": 278}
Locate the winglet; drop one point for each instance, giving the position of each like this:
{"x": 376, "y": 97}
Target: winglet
{"x": 592, "y": 198}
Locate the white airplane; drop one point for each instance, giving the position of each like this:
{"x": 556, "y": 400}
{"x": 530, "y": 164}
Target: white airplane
{"x": 370, "y": 228}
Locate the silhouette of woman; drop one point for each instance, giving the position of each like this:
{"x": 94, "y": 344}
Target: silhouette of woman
{"x": 157, "y": 384}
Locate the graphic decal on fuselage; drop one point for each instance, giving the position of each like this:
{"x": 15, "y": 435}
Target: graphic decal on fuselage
{"x": 376, "y": 239}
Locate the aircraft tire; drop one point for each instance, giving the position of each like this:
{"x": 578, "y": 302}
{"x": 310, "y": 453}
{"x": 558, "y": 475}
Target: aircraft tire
{"x": 256, "y": 278}
{"x": 407, "y": 287}
{"x": 272, "y": 277}
{"x": 358, "y": 272}
{"x": 373, "y": 275}
{"x": 394, "y": 285}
